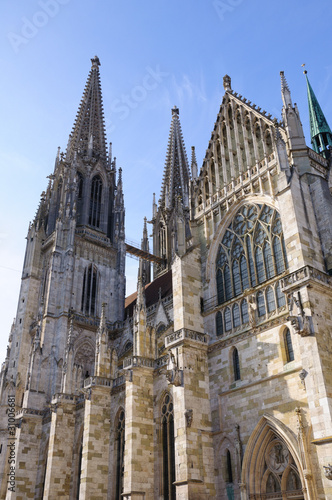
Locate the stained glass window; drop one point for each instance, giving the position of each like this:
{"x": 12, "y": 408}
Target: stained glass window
{"x": 251, "y": 251}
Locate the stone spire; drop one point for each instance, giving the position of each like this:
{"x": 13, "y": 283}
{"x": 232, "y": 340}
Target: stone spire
{"x": 320, "y": 132}
{"x": 285, "y": 92}
{"x": 88, "y": 135}
{"x": 176, "y": 173}
{"x": 291, "y": 120}
{"x": 145, "y": 266}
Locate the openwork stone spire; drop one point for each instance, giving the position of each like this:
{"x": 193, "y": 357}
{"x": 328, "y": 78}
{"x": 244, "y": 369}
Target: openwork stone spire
{"x": 176, "y": 173}
{"x": 88, "y": 134}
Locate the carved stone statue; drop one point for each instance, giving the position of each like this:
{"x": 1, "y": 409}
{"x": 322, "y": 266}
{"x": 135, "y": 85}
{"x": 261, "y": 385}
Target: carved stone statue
{"x": 328, "y": 471}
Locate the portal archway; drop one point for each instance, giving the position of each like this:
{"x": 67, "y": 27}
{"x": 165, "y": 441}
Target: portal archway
{"x": 272, "y": 466}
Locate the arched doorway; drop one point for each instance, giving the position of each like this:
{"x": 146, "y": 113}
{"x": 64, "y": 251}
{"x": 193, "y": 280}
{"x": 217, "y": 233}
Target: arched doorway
{"x": 271, "y": 466}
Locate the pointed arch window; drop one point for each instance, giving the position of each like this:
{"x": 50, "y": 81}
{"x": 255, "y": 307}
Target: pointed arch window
{"x": 229, "y": 472}
{"x": 89, "y": 291}
{"x": 95, "y": 201}
{"x": 219, "y": 325}
{"x": 289, "y": 346}
{"x": 236, "y": 365}
{"x": 251, "y": 251}
{"x": 167, "y": 423}
{"x": 120, "y": 446}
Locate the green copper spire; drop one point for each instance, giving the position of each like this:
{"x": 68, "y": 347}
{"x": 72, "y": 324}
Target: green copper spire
{"x": 321, "y": 135}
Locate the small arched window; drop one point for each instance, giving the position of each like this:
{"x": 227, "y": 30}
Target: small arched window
{"x": 288, "y": 346}
{"x": 229, "y": 472}
{"x": 236, "y": 365}
{"x": 95, "y": 202}
{"x": 219, "y": 325}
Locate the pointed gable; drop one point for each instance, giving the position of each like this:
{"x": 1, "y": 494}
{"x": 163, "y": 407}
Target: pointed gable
{"x": 242, "y": 137}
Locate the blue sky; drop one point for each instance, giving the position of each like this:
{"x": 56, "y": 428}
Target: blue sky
{"x": 154, "y": 55}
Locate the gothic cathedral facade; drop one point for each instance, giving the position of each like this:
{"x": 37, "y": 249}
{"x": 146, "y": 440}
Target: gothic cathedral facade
{"x": 214, "y": 379}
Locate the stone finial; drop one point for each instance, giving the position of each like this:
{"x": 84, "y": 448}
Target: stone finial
{"x": 95, "y": 62}
{"x": 227, "y": 83}
{"x": 175, "y": 110}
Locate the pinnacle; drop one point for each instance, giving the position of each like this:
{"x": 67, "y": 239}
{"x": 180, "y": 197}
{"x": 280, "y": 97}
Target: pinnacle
{"x": 176, "y": 171}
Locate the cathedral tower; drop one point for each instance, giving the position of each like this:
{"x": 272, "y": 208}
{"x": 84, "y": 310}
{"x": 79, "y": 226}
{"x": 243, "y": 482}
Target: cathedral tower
{"x": 74, "y": 262}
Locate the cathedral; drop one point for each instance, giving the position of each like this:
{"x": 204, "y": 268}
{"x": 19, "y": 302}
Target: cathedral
{"x": 214, "y": 379}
